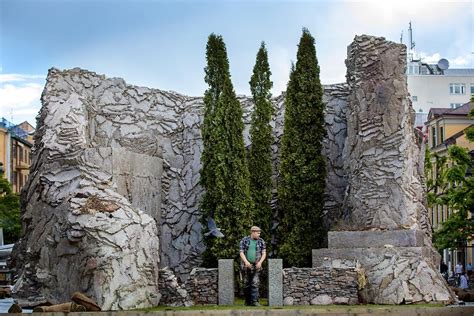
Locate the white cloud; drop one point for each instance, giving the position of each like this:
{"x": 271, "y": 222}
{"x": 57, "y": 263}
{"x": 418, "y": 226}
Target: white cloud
{"x": 279, "y": 59}
{"x": 18, "y": 77}
{"x": 454, "y": 62}
{"x": 20, "y": 101}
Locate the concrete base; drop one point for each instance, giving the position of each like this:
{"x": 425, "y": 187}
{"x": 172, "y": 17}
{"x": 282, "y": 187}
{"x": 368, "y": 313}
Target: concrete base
{"x": 375, "y": 239}
{"x": 396, "y": 266}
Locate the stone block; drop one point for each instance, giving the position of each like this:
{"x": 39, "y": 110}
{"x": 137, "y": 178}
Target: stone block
{"x": 375, "y": 239}
{"x": 226, "y": 281}
{"x": 325, "y": 256}
{"x": 275, "y": 282}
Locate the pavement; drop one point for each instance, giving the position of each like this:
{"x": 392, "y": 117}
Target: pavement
{"x": 359, "y": 310}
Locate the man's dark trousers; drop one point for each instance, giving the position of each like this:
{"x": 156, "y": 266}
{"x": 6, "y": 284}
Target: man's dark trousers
{"x": 251, "y": 284}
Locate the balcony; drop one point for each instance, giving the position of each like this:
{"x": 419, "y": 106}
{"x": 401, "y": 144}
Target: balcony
{"x": 21, "y": 165}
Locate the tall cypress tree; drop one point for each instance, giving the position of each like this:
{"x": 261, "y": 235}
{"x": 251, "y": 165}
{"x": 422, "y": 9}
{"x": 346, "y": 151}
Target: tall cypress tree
{"x": 302, "y": 166}
{"x": 260, "y": 160}
{"x": 224, "y": 173}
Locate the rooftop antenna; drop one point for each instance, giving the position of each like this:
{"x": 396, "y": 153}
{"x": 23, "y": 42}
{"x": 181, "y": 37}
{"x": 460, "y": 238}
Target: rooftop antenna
{"x": 410, "y": 31}
{"x": 401, "y": 37}
{"x": 411, "y": 43}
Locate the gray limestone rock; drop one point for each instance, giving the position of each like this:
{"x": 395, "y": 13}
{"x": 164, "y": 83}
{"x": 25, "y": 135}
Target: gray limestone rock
{"x": 383, "y": 207}
{"x": 115, "y": 176}
{"x": 82, "y": 230}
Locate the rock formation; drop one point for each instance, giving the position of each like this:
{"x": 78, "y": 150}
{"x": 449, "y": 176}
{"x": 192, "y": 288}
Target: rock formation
{"x": 384, "y": 212}
{"x": 114, "y": 190}
{"x": 83, "y": 229}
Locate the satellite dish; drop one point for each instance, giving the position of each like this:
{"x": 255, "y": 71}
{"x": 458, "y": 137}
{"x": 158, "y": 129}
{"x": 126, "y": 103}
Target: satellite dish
{"x": 443, "y": 64}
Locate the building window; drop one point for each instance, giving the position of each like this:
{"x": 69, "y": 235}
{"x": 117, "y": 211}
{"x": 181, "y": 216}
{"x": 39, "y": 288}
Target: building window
{"x": 433, "y": 136}
{"x": 472, "y": 88}
{"x": 14, "y": 151}
{"x": 413, "y": 68}
{"x": 455, "y": 105}
{"x": 14, "y": 177}
{"x": 21, "y": 153}
{"x": 414, "y": 98}
{"x": 457, "y": 88}
{"x": 441, "y": 134}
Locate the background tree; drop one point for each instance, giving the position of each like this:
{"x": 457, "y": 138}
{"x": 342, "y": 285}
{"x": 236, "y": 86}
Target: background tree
{"x": 450, "y": 182}
{"x": 303, "y": 167}
{"x": 453, "y": 187}
{"x": 224, "y": 173}
{"x": 260, "y": 153}
{"x": 9, "y": 210}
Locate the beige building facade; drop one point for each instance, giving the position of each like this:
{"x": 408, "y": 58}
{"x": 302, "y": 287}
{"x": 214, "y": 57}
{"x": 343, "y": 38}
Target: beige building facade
{"x": 16, "y": 142}
{"x": 446, "y": 127}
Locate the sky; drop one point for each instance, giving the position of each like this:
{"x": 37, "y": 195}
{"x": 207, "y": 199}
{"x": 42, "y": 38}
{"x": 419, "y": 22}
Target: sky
{"x": 161, "y": 44}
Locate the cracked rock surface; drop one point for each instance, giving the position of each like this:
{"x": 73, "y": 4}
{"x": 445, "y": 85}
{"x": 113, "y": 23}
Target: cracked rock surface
{"x": 114, "y": 190}
{"x": 384, "y": 199}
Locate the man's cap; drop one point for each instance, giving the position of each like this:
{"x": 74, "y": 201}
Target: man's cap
{"x": 255, "y": 229}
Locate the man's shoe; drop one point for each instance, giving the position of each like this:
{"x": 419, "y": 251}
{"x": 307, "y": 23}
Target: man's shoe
{"x": 15, "y": 309}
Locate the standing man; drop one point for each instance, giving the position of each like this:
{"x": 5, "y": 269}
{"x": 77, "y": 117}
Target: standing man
{"x": 252, "y": 253}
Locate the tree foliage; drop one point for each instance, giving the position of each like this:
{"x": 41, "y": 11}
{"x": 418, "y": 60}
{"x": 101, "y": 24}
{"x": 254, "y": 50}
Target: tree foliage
{"x": 259, "y": 158}
{"x": 303, "y": 167}
{"x": 451, "y": 184}
{"x": 224, "y": 173}
{"x": 9, "y": 210}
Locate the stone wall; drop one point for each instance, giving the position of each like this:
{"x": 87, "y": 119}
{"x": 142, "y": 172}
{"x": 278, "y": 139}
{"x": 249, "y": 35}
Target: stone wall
{"x": 200, "y": 288}
{"x": 321, "y": 286}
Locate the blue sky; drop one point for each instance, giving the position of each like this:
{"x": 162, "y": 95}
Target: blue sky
{"x": 161, "y": 44}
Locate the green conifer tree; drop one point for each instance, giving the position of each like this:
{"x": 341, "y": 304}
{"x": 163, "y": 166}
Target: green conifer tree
{"x": 302, "y": 166}
{"x": 224, "y": 173}
{"x": 260, "y": 159}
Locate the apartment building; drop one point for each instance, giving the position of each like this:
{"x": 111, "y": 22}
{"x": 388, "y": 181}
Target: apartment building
{"x": 16, "y": 142}
{"x": 446, "y": 127}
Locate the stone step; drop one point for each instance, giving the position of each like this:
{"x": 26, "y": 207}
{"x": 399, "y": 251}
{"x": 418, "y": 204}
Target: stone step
{"x": 323, "y": 256}
{"x": 375, "y": 239}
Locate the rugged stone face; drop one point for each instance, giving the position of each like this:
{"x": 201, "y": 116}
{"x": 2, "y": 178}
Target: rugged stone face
{"x": 383, "y": 209}
{"x": 80, "y": 232}
{"x": 335, "y": 97}
{"x": 114, "y": 186}
{"x": 384, "y": 185}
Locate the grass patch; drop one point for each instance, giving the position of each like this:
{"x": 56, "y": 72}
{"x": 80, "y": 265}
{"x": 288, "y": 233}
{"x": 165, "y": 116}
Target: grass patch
{"x": 239, "y": 305}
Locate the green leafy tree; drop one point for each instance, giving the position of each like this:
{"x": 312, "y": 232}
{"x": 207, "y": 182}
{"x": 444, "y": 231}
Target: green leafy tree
{"x": 224, "y": 173}
{"x": 451, "y": 183}
{"x": 9, "y": 210}
{"x": 452, "y": 186}
{"x": 260, "y": 153}
{"x": 303, "y": 167}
